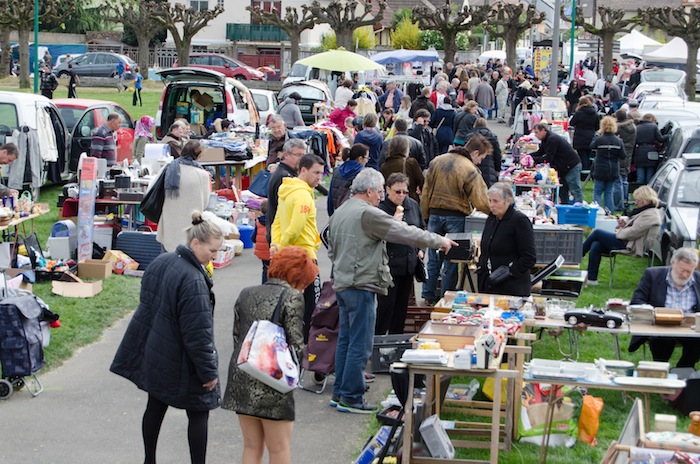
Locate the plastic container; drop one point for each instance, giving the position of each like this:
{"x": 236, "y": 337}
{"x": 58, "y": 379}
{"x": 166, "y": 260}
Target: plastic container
{"x": 552, "y": 241}
{"x": 246, "y": 232}
{"x": 577, "y": 215}
{"x": 387, "y": 349}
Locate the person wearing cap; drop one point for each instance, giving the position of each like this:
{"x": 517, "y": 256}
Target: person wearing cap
{"x": 290, "y": 112}
{"x": 633, "y": 109}
{"x": 392, "y": 97}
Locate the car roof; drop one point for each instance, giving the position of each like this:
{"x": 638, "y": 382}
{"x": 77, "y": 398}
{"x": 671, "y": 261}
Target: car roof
{"x": 82, "y": 102}
{"x": 192, "y": 74}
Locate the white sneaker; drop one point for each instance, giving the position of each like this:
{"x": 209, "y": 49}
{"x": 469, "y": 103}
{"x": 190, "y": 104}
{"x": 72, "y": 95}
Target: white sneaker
{"x": 592, "y": 283}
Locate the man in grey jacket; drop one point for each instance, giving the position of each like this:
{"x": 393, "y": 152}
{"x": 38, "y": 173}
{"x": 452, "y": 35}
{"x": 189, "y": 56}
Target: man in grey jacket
{"x": 358, "y": 235}
{"x": 290, "y": 111}
{"x": 8, "y": 153}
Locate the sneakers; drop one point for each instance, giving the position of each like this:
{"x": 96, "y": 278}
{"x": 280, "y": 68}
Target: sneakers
{"x": 359, "y": 408}
{"x": 335, "y": 399}
{"x": 592, "y": 283}
{"x": 369, "y": 378}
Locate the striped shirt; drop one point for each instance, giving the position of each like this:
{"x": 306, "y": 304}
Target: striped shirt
{"x": 104, "y": 145}
{"x": 683, "y": 298}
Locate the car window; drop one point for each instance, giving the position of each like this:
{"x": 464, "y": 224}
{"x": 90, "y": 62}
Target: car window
{"x": 200, "y": 60}
{"x": 216, "y": 61}
{"x": 689, "y": 187}
{"x": 674, "y": 145}
{"x": 86, "y": 124}
{"x": 70, "y": 116}
{"x": 85, "y": 59}
{"x": 667, "y": 185}
{"x": 238, "y": 97}
{"x": 233, "y": 63}
{"x": 103, "y": 58}
{"x": 306, "y": 92}
{"x": 126, "y": 119}
{"x": 659, "y": 178}
{"x": 298, "y": 70}
{"x": 693, "y": 146}
{"x": 261, "y": 102}
{"x": 9, "y": 118}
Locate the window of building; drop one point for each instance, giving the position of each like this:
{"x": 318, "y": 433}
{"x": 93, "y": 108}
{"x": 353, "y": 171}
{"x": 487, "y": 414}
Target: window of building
{"x": 267, "y": 6}
{"x": 199, "y": 5}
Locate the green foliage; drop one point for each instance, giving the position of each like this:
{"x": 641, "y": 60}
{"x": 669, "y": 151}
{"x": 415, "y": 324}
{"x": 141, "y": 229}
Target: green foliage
{"x": 406, "y": 35}
{"x": 399, "y": 15}
{"x": 463, "y": 41}
{"x": 431, "y": 39}
{"x": 364, "y": 37}
{"x": 78, "y": 20}
{"x": 328, "y": 41}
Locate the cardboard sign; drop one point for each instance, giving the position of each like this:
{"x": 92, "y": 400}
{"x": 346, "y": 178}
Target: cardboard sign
{"x": 86, "y": 207}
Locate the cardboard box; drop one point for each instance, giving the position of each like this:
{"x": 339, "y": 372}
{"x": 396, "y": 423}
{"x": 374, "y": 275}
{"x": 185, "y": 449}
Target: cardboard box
{"x": 211, "y": 155}
{"x": 94, "y": 269}
{"x": 76, "y": 289}
{"x": 14, "y": 272}
{"x": 120, "y": 261}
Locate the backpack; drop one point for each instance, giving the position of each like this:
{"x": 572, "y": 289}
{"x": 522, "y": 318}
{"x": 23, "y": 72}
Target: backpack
{"x": 460, "y": 97}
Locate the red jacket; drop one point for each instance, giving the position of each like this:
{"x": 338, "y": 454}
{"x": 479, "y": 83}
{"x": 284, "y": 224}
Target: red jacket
{"x": 262, "y": 249}
{"x": 339, "y": 115}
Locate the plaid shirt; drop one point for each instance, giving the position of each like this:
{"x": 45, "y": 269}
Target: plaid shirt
{"x": 683, "y": 298}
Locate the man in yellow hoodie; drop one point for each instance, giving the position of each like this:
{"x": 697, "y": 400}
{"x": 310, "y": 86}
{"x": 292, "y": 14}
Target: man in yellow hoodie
{"x": 295, "y": 222}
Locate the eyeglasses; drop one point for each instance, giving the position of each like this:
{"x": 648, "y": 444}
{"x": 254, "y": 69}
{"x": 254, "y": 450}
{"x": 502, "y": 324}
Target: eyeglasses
{"x": 401, "y": 192}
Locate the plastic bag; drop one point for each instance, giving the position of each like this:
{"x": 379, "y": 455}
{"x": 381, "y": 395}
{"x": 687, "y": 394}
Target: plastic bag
{"x": 589, "y": 420}
{"x": 489, "y": 384}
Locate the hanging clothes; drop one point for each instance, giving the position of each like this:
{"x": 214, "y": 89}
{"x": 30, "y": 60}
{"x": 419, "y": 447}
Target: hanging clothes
{"x": 47, "y": 136}
{"x": 29, "y": 151}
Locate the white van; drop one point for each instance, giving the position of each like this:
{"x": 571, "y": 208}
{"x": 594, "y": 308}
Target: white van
{"x": 301, "y": 72}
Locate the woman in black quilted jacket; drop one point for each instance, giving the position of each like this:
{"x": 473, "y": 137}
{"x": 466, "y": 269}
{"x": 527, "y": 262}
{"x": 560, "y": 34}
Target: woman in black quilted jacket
{"x": 168, "y": 349}
{"x": 609, "y": 152}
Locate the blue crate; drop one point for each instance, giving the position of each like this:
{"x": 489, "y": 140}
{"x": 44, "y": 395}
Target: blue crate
{"x": 577, "y": 215}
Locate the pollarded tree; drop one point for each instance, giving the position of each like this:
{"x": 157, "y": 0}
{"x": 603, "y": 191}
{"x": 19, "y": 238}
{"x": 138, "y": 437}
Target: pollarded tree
{"x": 679, "y": 22}
{"x": 139, "y": 16}
{"x": 509, "y": 21}
{"x": 612, "y": 22}
{"x": 5, "y": 45}
{"x": 18, "y": 15}
{"x": 449, "y": 20}
{"x": 192, "y": 22}
{"x": 290, "y": 23}
{"x": 345, "y": 17}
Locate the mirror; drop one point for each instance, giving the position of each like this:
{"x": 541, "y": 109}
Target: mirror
{"x": 85, "y": 131}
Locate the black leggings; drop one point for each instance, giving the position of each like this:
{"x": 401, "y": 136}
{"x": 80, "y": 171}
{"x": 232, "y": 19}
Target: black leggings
{"x": 196, "y": 431}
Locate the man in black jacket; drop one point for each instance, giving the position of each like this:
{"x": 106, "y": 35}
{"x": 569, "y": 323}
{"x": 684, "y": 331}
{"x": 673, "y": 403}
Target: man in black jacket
{"x": 292, "y": 151}
{"x": 556, "y": 150}
{"x": 422, "y": 132}
{"x": 422, "y": 102}
{"x": 416, "y": 149}
{"x": 677, "y": 286}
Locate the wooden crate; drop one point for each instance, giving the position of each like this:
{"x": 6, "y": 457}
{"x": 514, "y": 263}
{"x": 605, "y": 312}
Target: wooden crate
{"x": 416, "y": 317}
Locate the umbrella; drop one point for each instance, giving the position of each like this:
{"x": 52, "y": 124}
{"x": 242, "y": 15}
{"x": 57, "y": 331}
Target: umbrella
{"x": 403, "y": 56}
{"x": 340, "y": 60}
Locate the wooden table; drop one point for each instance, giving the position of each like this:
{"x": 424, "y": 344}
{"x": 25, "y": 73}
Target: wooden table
{"x": 495, "y": 429}
{"x": 23, "y": 220}
{"x": 237, "y": 166}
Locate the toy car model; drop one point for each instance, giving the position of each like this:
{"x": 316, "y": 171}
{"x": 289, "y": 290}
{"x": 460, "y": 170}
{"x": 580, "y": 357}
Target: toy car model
{"x": 597, "y": 317}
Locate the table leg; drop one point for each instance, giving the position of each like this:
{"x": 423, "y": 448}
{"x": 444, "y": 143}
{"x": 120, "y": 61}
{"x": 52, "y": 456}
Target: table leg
{"x": 239, "y": 176}
{"x": 549, "y": 418}
{"x": 647, "y": 412}
{"x": 408, "y": 423}
{"x": 228, "y": 176}
{"x": 617, "y": 346}
{"x": 496, "y": 418}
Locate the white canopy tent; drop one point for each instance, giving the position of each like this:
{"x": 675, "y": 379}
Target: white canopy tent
{"x": 676, "y": 51}
{"x": 635, "y": 41}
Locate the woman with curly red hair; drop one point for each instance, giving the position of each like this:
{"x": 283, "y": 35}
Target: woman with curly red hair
{"x": 266, "y": 416}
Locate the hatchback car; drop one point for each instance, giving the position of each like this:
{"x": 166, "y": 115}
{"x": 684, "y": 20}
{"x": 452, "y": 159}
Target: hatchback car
{"x": 193, "y": 92}
{"x": 266, "y": 103}
{"x": 677, "y": 183}
{"x": 97, "y": 64}
{"x": 311, "y": 92}
{"x": 225, "y": 65}
{"x": 82, "y": 116}
{"x": 18, "y": 109}
{"x": 659, "y": 88}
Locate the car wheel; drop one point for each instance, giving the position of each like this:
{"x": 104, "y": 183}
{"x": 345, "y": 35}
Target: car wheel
{"x": 573, "y": 320}
{"x": 611, "y": 324}
{"x": 63, "y": 75}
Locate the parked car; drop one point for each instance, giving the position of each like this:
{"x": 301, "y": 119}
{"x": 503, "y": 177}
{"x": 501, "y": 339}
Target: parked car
{"x": 597, "y": 317}
{"x": 678, "y": 66}
{"x": 266, "y": 103}
{"x": 63, "y": 58}
{"x": 677, "y": 183}
{"x": 190, "y": 90}
{"x": 19, "y": 109}
{"x": 225, "y": 65}
{"x": 684, "y": 137}
{"x": 82, "y": 116}
{"x": 96, "y": 64}
{"x": 659, "y": 88}
{"x": 311, "y": 92}
{"x": 649, "y": 101}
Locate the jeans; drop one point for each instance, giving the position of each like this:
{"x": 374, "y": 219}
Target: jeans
{"x": 601, "y": 187}
{"x": 619, "y": 193}
{"x": 441, "y": 225}
{"x": 644, "y": 174}
{"x": 493, "y": 111}
{"x": 571, "y": 182}
{"x": 599, "y": 242}
{"x": 355, "y": 340}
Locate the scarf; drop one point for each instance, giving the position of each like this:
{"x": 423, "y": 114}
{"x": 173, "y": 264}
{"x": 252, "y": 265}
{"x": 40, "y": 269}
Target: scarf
{"x": 144, "y": 126}
{"x": 636, "y": 211}
{"x": 172, "y": 175}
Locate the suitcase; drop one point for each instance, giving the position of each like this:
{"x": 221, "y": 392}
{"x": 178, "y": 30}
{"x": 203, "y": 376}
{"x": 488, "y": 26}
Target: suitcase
{"x": 141, "y": 246}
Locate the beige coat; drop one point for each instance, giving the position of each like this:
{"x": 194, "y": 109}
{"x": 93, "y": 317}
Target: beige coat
{"x": 640, "y": 231}
{"x": 177, "y": 212}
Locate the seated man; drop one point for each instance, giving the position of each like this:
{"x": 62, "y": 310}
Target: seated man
{"x": 677, "y": 286}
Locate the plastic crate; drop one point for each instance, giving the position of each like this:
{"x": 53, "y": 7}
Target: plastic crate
{"x": 416, "y": 316}
{"x": 577, "y": 215}
{"x": 474, "y": 224}
{"x": 552, "y": 241}
{"x": 387, "y": 349}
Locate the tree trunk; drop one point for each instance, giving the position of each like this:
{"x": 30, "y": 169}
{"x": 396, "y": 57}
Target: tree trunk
{"x": 5, "y": 45}
{"x": 511, "y": 41}
{"x": 23, "y": 34}
{"x": 294, "y": 38}
{"x": 608, "y": 38}
{"x": 450, "y": 47}
{"x": 343, "y": 38}
{"x": 690, "y": 79}
{"x": 183, "y": 51}
{"x": 144, "y": 51}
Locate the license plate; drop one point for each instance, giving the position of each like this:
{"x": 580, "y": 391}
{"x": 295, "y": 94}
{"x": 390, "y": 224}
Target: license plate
{"x": 304, "y": 107}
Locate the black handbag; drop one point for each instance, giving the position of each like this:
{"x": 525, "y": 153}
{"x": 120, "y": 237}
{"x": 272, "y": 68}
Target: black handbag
{"x": 499, "y": 276}
{"x": 152, "y": 204}
{"x": 421, "y": 273}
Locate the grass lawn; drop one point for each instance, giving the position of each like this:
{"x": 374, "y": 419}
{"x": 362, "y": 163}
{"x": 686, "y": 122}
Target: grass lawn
{"x": 84, "y": 320}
